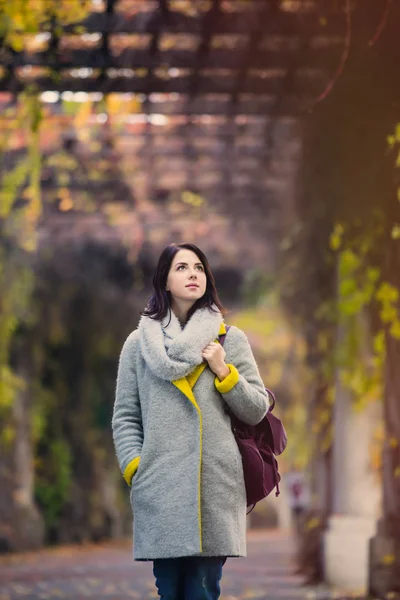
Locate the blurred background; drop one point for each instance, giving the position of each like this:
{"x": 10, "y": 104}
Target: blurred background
{"x": 267, "y": 132}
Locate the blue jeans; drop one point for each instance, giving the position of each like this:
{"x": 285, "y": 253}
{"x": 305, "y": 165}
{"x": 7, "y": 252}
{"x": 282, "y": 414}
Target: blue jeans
{"x": 189, "y": 578}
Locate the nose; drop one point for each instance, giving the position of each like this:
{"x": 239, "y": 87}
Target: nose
{"x": 193, "y": 275}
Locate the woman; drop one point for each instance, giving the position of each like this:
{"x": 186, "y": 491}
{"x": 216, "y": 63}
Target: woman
{"x": 172, "y": 432}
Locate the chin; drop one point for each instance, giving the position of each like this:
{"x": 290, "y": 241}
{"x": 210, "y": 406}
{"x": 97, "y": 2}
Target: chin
{"x": 195, "y": 295}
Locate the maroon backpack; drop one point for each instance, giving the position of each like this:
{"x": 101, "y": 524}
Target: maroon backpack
{"x": 258, "y": 445}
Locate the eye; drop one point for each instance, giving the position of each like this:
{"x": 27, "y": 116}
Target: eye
{"x": 200, "y": 267}
{"x": 181, "y": 267}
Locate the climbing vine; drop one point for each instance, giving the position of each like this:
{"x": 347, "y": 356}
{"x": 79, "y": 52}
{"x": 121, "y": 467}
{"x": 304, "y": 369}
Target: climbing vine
{"x": 360, "y": 290}
{"x": 20, "y": 209}
{"x": 20, "y": 18}
{"x": 364, "y": 311}
{"x": 20, "y": 194}
{"x": 362, "y": 287}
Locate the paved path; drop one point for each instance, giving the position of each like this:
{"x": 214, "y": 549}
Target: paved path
{"x": 106, "y": 572}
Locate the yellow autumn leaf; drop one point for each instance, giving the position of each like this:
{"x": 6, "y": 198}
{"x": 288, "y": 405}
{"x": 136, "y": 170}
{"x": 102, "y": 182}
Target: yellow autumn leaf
{"x": 313, "y": 523}
{"x": 393, "y": 442}
{"x": 16, "y": 41}
{"x": 83, "y": 114}
{"x": 66, "y": 204}
{"x": 330, "y": 396}
{"x": 336, "y": 237}
{"x": 376, "y": 459}
{"x": 388, "y": 314}
{"x": 373, "y": 274}
{"x": 322, "y": 341}
{"x": 142, "y": 72}
{"x": 192, "y": 199}
{"x": 349, "y": 262}
{"x": 327, "y": 441}
{"x": 63, "y": 192}
{"x": 315, "y": 427}
{"x": 397, "y": 472}
{"x": 29, "y": 243}
{"x": 8, "y": 434}
{"x": 395, "y": 329}
{"x": 395, "y": 232}
{"x": 387, "y": 293}
{"x": 325, "y": 416}
{"x": 135, "y": 106}
{"x": 388, "y": 559}
{"x": 250, "y": 593}
{"x": 379, "y": 343}
{"x": 113, "y": 103}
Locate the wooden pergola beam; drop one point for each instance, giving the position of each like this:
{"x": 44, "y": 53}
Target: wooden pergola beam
{"x": 283, "y": 23}
{"x": 181, "y": 85}
{"x": 172, "y": 134}
{"x": 291, "y": 106}
{"x": 253, "y": 69}
{"x": 322, "y": 58}
{"x": 237, "y": 154}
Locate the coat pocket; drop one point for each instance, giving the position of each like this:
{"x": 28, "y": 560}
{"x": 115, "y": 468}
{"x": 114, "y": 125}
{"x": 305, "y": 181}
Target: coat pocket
{"x": 134, "y": 483}
{"x": 137, "y": 473}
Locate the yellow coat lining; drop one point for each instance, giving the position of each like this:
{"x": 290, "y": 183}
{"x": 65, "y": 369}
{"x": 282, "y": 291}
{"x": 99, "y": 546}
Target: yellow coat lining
{"x": 186, "y": 385}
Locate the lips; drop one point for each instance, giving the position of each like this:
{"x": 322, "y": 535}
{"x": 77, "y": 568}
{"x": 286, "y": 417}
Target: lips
{"x": 192, "y": 285}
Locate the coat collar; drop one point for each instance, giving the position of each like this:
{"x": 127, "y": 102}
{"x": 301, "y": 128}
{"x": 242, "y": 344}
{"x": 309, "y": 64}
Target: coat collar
{"x": 186, "y": 384}
{"x": 172, "y": 352}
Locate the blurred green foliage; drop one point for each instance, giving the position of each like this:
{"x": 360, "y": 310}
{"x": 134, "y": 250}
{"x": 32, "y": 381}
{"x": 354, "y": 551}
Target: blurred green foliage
{"x": 53, "y": 477}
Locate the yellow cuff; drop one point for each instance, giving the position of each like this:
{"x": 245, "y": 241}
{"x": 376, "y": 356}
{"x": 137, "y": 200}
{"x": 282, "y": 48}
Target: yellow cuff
{"x": 131, "y": 470}
{"x": 227, "y": 384}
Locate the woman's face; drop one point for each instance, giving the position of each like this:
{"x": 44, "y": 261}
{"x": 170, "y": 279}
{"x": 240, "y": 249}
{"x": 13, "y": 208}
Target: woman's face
{"x": 187, "y": 280}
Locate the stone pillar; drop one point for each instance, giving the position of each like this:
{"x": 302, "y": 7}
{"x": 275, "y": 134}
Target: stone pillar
{"x": 356, "y": 494}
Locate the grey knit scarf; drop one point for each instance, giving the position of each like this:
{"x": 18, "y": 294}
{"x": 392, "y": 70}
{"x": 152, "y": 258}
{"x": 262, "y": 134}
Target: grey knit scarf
{"x": 172, "y": 352}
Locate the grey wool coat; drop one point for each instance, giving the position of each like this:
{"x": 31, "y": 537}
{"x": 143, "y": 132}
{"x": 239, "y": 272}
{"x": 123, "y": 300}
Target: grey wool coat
{"x": 173, "y": 439}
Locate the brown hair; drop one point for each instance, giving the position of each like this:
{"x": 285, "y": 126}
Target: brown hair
{"x": 160, "y": 300}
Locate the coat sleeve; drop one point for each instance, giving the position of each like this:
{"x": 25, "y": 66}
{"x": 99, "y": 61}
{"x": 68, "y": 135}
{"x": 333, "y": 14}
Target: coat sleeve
{"x": 243, "y": 389}
{"x": 127, "y": 417}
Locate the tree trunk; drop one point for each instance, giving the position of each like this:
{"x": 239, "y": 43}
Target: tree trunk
{"x": 21, "y": 526}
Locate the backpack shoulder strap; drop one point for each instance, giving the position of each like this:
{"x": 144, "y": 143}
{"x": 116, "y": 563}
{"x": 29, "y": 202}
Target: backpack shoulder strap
{"x": 272, "y": 396}
{"x": 221, "y": 338}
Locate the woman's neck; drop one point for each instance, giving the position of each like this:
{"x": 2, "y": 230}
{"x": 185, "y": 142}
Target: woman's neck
{"x": 181, "y": 311}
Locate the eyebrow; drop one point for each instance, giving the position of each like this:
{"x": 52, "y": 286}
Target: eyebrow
{"x": 185, "y": 263}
